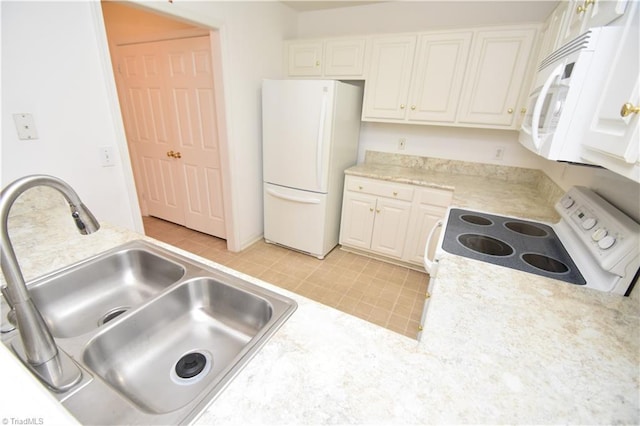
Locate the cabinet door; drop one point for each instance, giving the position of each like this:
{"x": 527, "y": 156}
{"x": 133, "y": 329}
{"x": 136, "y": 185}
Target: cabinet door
{"x": 344, "y": 58}
{"x": 304, "y": 58}
{"x": 499, "y": 62}
{"x": 585, "y": 14}
{"x": 390, "y": 227}
{"x": 385, "y": 94}
{"x": 611, "y": 139}
{"x": 358, "y": 211}
{"x": 551, "y": 33}
{"x": 441, "y": 60}
{"x": 426, "y": 217}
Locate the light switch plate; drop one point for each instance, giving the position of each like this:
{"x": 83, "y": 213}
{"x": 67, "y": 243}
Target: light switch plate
{"x": 26, "y": 126}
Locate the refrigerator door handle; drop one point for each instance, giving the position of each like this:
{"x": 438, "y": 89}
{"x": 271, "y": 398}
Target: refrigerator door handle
{"x": 294, "y": 199}
{"x": 323, "y": 113}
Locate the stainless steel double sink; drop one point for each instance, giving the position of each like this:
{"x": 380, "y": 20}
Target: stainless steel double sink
{"x": 156, "y": 335}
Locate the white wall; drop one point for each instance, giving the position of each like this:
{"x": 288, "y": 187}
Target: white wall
{"x": 52, "y": 68}
{"x": 474, "y": 145}
{"x": 251, "y": 38}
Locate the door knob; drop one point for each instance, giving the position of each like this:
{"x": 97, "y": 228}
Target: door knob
{"x": 628, "y": 109}
{"x": 169, "y": 153}
{"x": 174, "y": 154}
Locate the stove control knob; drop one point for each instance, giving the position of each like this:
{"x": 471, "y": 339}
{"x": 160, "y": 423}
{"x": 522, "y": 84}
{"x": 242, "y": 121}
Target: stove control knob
{"x": 599, "y": 234}
{"x": 589, "y": 223}
{"x": 567, "y": 202}
{"x": 606, "y": 242}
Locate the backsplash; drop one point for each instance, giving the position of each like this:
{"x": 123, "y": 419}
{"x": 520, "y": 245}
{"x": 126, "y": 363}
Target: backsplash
{"x": 535, "y": 177}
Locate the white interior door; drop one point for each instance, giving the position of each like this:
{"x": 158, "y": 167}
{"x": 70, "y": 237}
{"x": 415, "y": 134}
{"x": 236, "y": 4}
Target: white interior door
{"x": 171, "y": 121}
{"x": 189, "y": 80}
{"x": 149, "y": 131}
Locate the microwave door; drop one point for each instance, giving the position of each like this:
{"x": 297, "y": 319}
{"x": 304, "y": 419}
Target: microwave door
{"x": 540, "y": 103}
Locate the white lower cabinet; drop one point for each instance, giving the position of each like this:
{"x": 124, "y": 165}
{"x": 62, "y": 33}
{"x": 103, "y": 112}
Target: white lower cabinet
{"x": 390, "y": 219}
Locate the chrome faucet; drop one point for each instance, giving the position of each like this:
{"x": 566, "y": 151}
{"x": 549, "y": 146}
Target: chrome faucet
{"x": 36, "y": 346}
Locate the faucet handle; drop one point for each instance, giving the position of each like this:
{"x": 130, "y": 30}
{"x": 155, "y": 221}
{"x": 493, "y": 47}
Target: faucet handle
{"x": 7, "y": 296}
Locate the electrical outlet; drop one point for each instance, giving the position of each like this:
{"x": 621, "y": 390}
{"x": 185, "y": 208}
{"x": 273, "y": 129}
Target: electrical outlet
{"x": 402, "y": 142}
{"x": 499, "y": 155}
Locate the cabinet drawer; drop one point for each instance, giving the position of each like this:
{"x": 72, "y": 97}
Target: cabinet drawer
{"x": 435, "y": 197}
{"x": 382, "y": 189}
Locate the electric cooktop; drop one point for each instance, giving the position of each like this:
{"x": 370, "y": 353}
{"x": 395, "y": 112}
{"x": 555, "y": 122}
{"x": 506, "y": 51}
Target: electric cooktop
{"x": 513, "y": 243}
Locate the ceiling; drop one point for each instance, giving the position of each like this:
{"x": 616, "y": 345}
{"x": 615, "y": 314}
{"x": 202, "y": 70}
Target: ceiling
{"x": 309, "y": 5}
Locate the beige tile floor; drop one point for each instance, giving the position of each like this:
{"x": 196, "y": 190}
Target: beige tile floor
{"x": 384, "y": 294}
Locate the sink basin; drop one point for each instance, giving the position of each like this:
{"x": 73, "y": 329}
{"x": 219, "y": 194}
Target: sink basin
{"x": 156, "y": 335}
{"x": 81, "y": 298}
{"x": 205, "y": 323}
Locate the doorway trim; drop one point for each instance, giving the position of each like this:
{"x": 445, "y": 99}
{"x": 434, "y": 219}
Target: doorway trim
{"x": 217, "y": 55}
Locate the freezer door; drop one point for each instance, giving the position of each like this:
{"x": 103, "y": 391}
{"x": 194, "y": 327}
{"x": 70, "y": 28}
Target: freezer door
{"x": 296, "y": 219}
{"x": 296, "y": 123}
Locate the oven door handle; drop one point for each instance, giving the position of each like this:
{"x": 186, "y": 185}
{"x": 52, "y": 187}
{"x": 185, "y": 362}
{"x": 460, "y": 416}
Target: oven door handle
{"x": 428, "y": 263}
{"x": 537, "y": 109}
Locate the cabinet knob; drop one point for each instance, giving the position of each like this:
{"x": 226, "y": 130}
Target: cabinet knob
{"x": 377, "y": 210}
{"x": 628, "y": 109}
{"x": 317, "y": 63}
{"x": 523, "y": 111}
{"x": 510, "y": 110}
{"x": 583, "y": 8}
{"x": 395, "y": 193}
{"x": 413, "y": 107}
{"x": 401, "y": 106}
{"x": 427, "y": 295}
{"x": 370, "y": 209}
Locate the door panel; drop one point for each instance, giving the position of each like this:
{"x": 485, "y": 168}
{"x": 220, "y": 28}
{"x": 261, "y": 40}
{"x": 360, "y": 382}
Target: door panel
{"x": 296, "y": 124}
{"x": 295, "y": 218}
{"x": 170, "y": 107}
{"x": 148, "y": 131}
{"x": 390, "y": 226}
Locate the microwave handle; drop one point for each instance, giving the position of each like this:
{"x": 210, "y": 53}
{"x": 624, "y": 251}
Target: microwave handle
{"x": 537, "y": 109}
{"x": 428, "y": 263}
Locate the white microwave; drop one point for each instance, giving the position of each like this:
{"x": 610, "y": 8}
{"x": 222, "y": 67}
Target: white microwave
{"x": 563, "y": 97}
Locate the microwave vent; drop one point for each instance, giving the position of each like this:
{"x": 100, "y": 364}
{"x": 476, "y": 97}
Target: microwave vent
{"x": 581, "y": 42}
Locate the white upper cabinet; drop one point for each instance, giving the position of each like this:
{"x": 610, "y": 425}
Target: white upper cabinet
{"x": 441, "y": 60}
{"x": 344, "y": 57}
{"x": 332, "y": 58}
{"x": 585, "y": 14}
{"x": 387, "y": 86}
{"x": 304, "y": 58}
{"x": 612, "y": 139}
{"x": 455, "y": 78}
{"x": 494, "y": 82}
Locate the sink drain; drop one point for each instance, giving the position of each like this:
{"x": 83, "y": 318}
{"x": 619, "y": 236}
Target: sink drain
{"x": 191, "y": 367}
{"x": 112, "y": 314}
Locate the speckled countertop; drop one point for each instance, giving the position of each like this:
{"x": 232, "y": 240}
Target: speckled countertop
{"x": 499, "y": 346}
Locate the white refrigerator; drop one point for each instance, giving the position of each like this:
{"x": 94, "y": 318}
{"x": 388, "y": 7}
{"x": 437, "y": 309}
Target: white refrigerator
{"x": 310, "y": 131}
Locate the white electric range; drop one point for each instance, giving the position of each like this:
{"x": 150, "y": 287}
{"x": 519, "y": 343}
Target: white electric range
{"x": 593, "y": 245}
